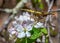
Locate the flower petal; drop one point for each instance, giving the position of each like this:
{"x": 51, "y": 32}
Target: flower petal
{"x": 16, "y": 17}
{"x": 21, "y": 35}
{"x": 38, "y": 40}
{"x": 29, "y": 28}
{"x": 38, "y": 25}
{"x": 20, "y": 28}
{"x": 28, "y": 34}
{"x": 32, "y": 19}
{"x": 11, "y": 31}
{"x": 14, "y": 22}
{"x": 25, "y": 18}
{"x": 21, "y": 18}
{"x": 26, "y": 14}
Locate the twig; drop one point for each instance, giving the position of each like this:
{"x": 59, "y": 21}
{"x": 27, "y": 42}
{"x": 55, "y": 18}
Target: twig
{"x": 13, "y": 11}
{"x": 48, "y": 19}
{"x": 57, "y": 10}
{"x": 16, "y": 8}
{"x": 50, "y": 6}
{"x": 43, "y": 39}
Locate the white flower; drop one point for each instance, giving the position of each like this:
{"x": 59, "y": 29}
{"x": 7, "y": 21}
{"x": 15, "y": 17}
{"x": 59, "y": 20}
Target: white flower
{"x": 29, "y": 27}
{"x": 14, "y": 22}
{"x": 38, "y": 40}
{"x": 22, "y": 29}
{"x": 39, "y": 25}
{"x": 24, "y": 17}
{"x": 21, "y": 35}
{"x": 20, "y": 18}
{"x": 28, "y": 34}
{"x": 32, "y": 19}
{"x": 12, "y": 31}
{"x": 26, "y": 14}
{"x": 19, "y": 28}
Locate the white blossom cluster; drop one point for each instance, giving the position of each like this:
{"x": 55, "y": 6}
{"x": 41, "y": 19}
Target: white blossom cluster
{"x": 22, "y": 25}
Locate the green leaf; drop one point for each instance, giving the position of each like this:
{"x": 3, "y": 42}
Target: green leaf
{"x": 36, "y": 34}
{"x": 24, "y": 40}
{"x": 44, "y": 30}
{"x": 30, "y": 40}
{"x": 39, "y": 0}
{"x": 47, "y": 40}
{"x": 36, "y": 1}
{"x": 41, "y": 6}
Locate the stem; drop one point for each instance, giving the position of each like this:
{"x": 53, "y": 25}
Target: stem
{"x": 26, "y": 40}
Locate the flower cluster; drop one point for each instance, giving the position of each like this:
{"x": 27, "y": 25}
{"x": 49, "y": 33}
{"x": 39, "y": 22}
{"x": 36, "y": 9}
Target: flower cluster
{"x": 22, "y": 25}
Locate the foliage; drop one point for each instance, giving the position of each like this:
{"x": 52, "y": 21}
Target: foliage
{"x": 39, "y": 3}
{"x": 36, "y": 33}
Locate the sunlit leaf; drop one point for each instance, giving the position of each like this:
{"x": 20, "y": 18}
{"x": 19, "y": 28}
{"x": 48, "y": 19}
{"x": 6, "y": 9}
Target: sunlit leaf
{"x": 41, "y": 6}
{"x": 39, "y": 0}
{"x": 30, "y": 40}
{"x": 36, "y": 33}
{"x": 36, "y": 1}
{"x": 24, "y": 40}
{"x": 47, "y": 40}
{"x": 44, "y": 30}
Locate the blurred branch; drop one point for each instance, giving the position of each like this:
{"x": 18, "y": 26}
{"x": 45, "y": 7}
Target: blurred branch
{"x": 40, "y": 12}
{"x": 43, "y": 39}
{"x": 48, "y": 18}
{"x": 57, "y": 10}
{"x": 16, "y": 8}
{"x": 50, "y": 5}
{"x": 13, "y": 11}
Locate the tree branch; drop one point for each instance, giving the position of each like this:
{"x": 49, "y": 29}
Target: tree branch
{"x": 13, "y": 11}
{"x": 48, "y": 18}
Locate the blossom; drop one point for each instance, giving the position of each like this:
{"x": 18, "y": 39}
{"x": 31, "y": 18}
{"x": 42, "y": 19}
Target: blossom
{"x": 12, "y": 31}
{"x": 24, "y": 34}
{"x": 39, "y": 25}
{"x": 22, "y": 29}
{"x": 38, "y": 40}
{"x": 24, "y": 17}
